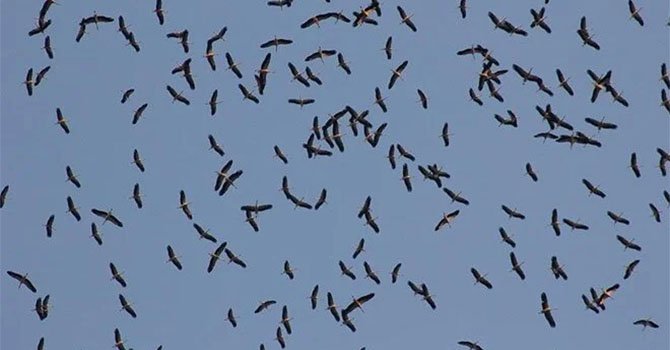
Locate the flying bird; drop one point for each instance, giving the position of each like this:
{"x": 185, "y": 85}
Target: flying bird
{"x": 546, "y": 310}
{"x": 107, "y": 216}
{"x": 23, "y": 280}
{"x": 397, "y": 73}
{"x": 406, "y": 19}
{"x": 480, "y": 279}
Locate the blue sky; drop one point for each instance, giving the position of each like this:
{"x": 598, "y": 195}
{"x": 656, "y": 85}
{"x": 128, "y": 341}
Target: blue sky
{"x": 187, "y": 309}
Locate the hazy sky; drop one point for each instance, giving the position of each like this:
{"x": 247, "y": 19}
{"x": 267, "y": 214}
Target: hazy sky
{"x": 187, "y": 309}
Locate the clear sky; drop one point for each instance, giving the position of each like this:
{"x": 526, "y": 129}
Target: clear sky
{"x": 187, "y": 309}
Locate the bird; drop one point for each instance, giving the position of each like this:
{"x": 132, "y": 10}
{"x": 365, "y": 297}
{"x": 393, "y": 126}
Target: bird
{"x": 320, "y": 54}
{"x": 276, "y": 42}
{"x": 557, "y": 269}
{"x": 314, "y": 296}
{"x": 630, "y": 268}
{"x": 584, "y": 34}
{"x": 360, "y": 247}
{"x": 346, "y": 271}
{"x": 232, "y": 66}
{"x": 531, "y": 172}
{"x": 62, "y": 121}
{"x": 177, "y": 96}
{"x": 213, "y": 145}
{"x": 41, "y": 74}
{"x": 388, "y": 48}
{"x": 564, "y": 83}
{"x": 628, "y": 244}
{"x": 279, "y": 154}
{"x": 397, "y": 73}
{"x": 182, "y": 37}
{"x": 357, "y": 303}
{"x": 480, "y": 279}
{"x": 539, "y": 20}
{"x": 117, "y": 276}
{"x": 72, "y": 208}
{"x": 173, "y": 258}
{"x": 289, "y": 272}
{"x": 137, "y": 160}
{"x": 395, "y": 273}
{"x": 215, "y": 256}
{"x": 617, "y": 218}
{"x": 321, "y": 200}
{"x": 107, "y": 216}
{"x": 248, "y": 95}
{"x": 280, "y": 338}
{"x": 332, "y": 307}
{"x": 655, "y": 213}
{"x": 406, "y": 19}
{"x": 516, "y": 267}
{"x": 634, "y": 166}
{"x": 593, "y": 189}
{"x": 546, "y": 310}
{"x": 635, "y": 13}
{"x": 118, "y": 340}
{"x": 183, "y": 205}
{"x": 646, "y": 323}
{"x": 506, "y": 237}
{"x": 264, "y": 305}
{"x": 455, "y": 197}
{"x": 138, "y": 113}
{"x": 470, "y": 345}
{"x": 23, "y": 280}
{"x": 406, "y": 177}
{"x": 235, "y": 259}
{"x": 213, "y": 101}
{"x": 160, "y": 13}
{"x": 370, "y": 273}
{"x": 202, "y": 233}
{"x": 447, "y": 219}
{"x": 126, "y": 95}
{"x": 231, "y": 318}
{"x": 49, "y": 225}
{"x": 137, "y": 196}
{"x": 512, "y": 213}
{"x": 72, "y": 177}
{"x": 379, "y": 100}
{"x": 342, "y": 63}
{"x": 285, "y": 319}
{"x": 95, "y": 234}
{"x": 127, "y": 306}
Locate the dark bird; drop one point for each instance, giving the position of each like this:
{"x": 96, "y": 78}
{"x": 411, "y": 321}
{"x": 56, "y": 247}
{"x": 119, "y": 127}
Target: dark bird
{"x": 347, "y": 322}
{"x": 634, "y": 166}
{"x": 204, "y": 234}
{"x": 81, "y": 31}
{"x": 346, "y": 271}
{"x": 531, "y": 172}
{"x": 630, "y": 268}
{"x": 599, "y": 83}
{"x": 455, "y": 197}
{"x": 564, "y": 83}
{"x": 617, "y": 218}
{"x": 590, "y": 305}
{"x": 173, "y": 258}
{"x": 280, "y": 338}
{"x": 512, "y": 213}
{"x": 29, "y": 82}
{"x": 359, "y": 248}
{"x": 234, "y": 67}
{"x": 231, "y": 318}
{"x": 655, "y": 213}
{"x": 72, "y": 177}
{"x": 406, "y": 177}
{"x": 575, "y": 225}
{"x": 213, "y": 102}
{"x": 370, "y": 273}
{"x": 395, "y": 273}
{"x": 646, "y": 323}
{"x": 23, "y": 280}
{"x": 247, "y": 94}
{"x": 235, "y": 259}
{"x": 516, "y": 267}
{"x": 546, "y": 310}
{"x": 276, "y": 42}
{"x": 288, "y": 271}
{"x": 321, "y": 200}
{"x": 593, "y": 189}
{"x": 264, "y": 305}
{"x": 256, "y": 208}
{"x": 285, "y": 319}
{"x": 301, "y": 101}
{"x": 41, "y": 27}
{"x": 539, "y": 20}
{"x": 126, "y": 306}
{"x": 332, "y": 307}
{"x": 214, "y": 257}
{"x": 388, "y": 48}
{"x": 50, "y": 225}
{"x": 118, "y": 340}
{"x": 635, "y": 13}
{"x": 506, "y": 237}
{"x": 72, "y": 208}
{"x": 445, "y": 134}
{"x": 313, "y": 77}
{"x": 137, "y": 160}
{"x": 315, "y": 20}
{"x": 138, "y": 113}
{"x": 556, "y": 224}
{"x": 116, "y": 275}
{"x": 215, "y": 146}
{"x": 279, "y": 154}
{"x": 177, "y": 96}
{"x": 474, "y": 97}
{"x": 447, "y": 219}
{"x": 357, "y": 303}
{"x": 422, "y": 98}
{"x": 314, "y": 296}
{"x": 60, "y": 120}
{"x": 379, "y": 100}
{"x": 41, "y": 74}
{"x": 406, "y": 19}
{"x": 182, "y": 37}
{"x": 95, "y": 234}
{"x": 665, "y": 77}
{"x": 470, "y": 345}
{"x": 481, "y": 279}
{"x": 526, "y": 75}
{"x": 584, "y": 34}
{"x": 425, "y": 294}
{"x": 107, "y": 216}
{"x": 297, "y": 75}
{"x": 397, "y": 73}
{"x": 320, "y": 54}
{"x": 183, "y": 205}
{"x": 126, "y": 95}
{"x": 601, "y": 124}
{"x": 137, "y": 196}
{"x": 370, "y": 221}
{"x": 159, "y": 12}
{"x": 606, "y": 294}
{"x": 628, "y": 244}
{"x": 342, "y": 63}
{"x": 366, "y": 207}
{"x": 557, "y": 269}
